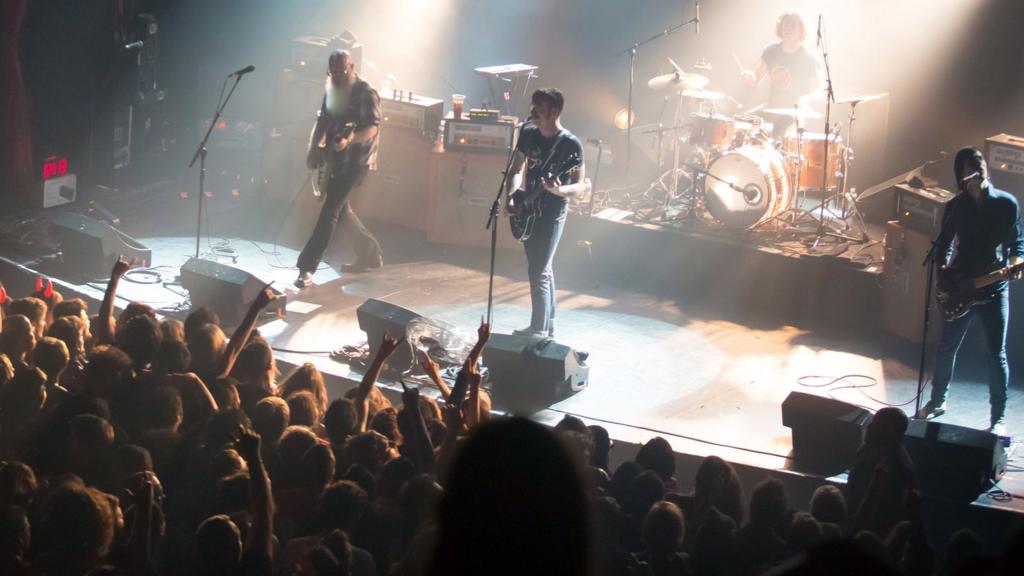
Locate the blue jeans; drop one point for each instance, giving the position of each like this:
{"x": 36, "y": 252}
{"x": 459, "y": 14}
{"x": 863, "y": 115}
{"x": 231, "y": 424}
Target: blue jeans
{"x": 540, "y": 252}
{"x": 994, "y": 315}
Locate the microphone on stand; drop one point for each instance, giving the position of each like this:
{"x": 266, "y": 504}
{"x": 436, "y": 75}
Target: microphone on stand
{"x": 595, "y": 141}
{"x": 696, "y": 17}
{"x": 134, "y": 45}
{"x": 243, "y": 71}
{"x": 818, "y": 42}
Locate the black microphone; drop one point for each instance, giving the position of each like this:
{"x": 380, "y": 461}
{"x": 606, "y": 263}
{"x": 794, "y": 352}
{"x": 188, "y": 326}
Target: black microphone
{"x": 696, "y": 17}
{"x": 594, "y": 141}
{"x": 818, "y": 44}
{"x": 134, "y": 45}
{"x": 243, "y": 71}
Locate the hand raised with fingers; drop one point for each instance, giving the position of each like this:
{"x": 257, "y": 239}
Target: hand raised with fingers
{"x": 428, "y": 364}
{"x": 121, "y": 266}
{"x": 483, "y": 333}
{"x": 388, "y": 345}
{"x": 266, "y": 296}
{"x": 247, "y": 444}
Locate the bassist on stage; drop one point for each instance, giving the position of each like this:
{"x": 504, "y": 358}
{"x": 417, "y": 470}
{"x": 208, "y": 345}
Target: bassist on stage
{"x": 981, "y": 233}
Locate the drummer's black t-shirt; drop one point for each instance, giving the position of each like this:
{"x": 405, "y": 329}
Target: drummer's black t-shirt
{"x": 790, "y": 74}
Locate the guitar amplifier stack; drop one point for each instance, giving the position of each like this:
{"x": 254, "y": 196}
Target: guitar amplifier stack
{"x": 904, "y": 279}
{"x": 1005, "y": 156}
{"x": 462, "y": 190}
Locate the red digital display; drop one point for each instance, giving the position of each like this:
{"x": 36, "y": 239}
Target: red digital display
{"x": 54, "y": 167}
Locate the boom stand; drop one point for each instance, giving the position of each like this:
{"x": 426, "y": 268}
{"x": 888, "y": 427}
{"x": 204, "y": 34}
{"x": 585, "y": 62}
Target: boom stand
{"x": 201, "y": 152}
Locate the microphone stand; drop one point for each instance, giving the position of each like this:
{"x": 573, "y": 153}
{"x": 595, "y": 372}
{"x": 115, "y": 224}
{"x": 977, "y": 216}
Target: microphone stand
{"x": 929, "y": 261}
{"x": 632, "y": 51}
{"x": 201, "y": 152}
{"x": 492, "y": 219}
{"x": 830, "y": 98}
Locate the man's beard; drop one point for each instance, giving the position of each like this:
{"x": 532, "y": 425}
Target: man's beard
{"x": 337, "y": 97}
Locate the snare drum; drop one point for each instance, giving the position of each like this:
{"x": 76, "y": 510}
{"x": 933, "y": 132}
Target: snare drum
{"x": 812, "y": 149}
{"x": 747, "y": 186}
{"x": 714, "y": 130}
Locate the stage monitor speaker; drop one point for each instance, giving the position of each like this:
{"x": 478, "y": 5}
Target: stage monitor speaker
{"x": 826, "y": 433}
{"x": 377, "y": 318}
{"x": 528, "y": 374}
{"x": 229, "y": 291}
{"x": 954, "y": 462}
{"x": 89, "y": 247}
{"x": 462, "y": 189}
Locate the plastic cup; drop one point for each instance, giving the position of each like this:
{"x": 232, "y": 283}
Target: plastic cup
{"x": 458, "y": 101}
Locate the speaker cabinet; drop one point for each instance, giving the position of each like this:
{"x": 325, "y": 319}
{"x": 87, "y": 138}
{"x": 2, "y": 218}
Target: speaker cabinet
{"x": 377, "y": 318}
{"x": 89, "y": 247}
{"x": 826, "y": 433}
{"x": 396, "y": 192}
{"x": 904, "y": 280}
{"x": 528, "y": 374}
{"x": 954, "y": 462}
{"x": 228, "y": 290}
{"x": 462, "y": 190}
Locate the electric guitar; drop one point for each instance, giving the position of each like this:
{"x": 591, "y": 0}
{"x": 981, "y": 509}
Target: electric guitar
{"x": 326, "y": 156}
{"x": 957, "y": 292}
{"x": 524, "y": 203}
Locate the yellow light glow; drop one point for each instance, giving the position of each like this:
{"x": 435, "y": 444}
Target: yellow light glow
{"x": 620, "y": 119}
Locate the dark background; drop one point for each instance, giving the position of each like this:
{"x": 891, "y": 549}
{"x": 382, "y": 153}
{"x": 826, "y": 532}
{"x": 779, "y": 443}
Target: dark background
{"x": 952, "y": 69}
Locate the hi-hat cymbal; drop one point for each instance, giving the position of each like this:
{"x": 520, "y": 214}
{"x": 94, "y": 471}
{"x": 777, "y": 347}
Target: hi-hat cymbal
{"x": 800, "y": 113}
{"x": 678, "y": 81}
{"x": 858, "y": 99}
{"x": 710, "y": 95}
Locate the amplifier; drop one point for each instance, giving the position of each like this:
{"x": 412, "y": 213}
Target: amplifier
{"x": 412, "y": 112}
{"x": 310, "y": 53}
{"x": 1005, "y": 156}
{"x": 485, "y": 137}
{"x": 921, "y": 209}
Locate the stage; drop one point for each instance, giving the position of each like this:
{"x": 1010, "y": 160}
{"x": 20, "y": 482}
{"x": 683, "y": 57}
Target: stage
{"x": 697, "y": 374}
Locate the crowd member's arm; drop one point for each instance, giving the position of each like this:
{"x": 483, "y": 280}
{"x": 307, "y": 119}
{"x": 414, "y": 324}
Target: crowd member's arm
{"x": 434, "y": 372}
{"x": 140, "y": 543}
{"x": 105, "y": 324}
{"x": 472, "y": 365}
{"x": 192, "y": 386}
{"x": 241, "y": 335}
{"x": 387, "y": 346}
{"x": 260, "y": 539}
{"x": 454, "y": 420}
{"x": 418, "y": 441}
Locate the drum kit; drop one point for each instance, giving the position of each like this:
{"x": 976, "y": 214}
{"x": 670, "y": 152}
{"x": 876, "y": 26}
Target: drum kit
{"x": 745, "y": 178}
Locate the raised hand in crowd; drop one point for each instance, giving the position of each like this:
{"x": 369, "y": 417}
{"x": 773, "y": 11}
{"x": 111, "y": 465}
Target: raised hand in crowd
{"x": 259, "y": 541}
{"x": 387, "y": 347}
{"x": 417, "y": 441}
{"x": 241, "y": 335}
{"x": 105, "y": 323}
{"x": 434, "y": 372}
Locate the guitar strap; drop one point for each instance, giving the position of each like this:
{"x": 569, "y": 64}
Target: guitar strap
{"x": 551, "y": 153}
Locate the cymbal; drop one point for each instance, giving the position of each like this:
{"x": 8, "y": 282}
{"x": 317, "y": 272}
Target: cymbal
{"x": 858, "y": 99}
{"x": 801, "y": 113}
{"x": 708, "y": 95}
{"x": 678, "y": 81}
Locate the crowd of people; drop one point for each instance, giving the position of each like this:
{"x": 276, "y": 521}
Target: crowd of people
{"x": 140, "y": 445}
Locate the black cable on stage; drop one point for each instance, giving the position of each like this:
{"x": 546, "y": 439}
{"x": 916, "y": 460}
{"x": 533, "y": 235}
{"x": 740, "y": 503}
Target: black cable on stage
{"x": 675, "y": 435}
{"x": 831, "y": 380}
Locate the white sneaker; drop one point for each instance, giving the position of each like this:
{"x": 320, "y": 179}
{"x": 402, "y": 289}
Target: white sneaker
{"x": 998, "y": 427}
{"x": 304, "y": 280}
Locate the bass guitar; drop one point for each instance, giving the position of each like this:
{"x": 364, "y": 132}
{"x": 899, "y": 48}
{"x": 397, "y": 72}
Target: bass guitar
{"x": 326, "y": 156}
{"x": 524, "y": 203}
{"x": 957, "y": 292}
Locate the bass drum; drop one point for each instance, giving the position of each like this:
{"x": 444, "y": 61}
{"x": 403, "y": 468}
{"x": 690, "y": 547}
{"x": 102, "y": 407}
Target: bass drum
{"x": 747, "y": 186}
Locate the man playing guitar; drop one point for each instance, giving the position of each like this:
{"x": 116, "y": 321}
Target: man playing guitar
{"x": 543, "y": 147}
{"x": 985, "y": 224}
{"x": 344, "y": 141}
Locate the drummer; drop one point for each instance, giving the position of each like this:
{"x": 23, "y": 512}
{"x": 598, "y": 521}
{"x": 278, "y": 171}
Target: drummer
{"x": 793, "y": 70}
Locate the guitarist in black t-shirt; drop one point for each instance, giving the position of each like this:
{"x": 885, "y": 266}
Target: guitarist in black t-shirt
{"x": 553, "y": 158}
{"x": 342, "y": 148}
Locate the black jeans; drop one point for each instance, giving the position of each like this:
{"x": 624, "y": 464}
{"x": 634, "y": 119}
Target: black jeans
{"x": 994, "y": 315}
{"x": 337, "y": 210}
{"x": 540, "y": 252}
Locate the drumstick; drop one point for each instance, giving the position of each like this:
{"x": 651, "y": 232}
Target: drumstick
{"x": 739, "y": 64}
